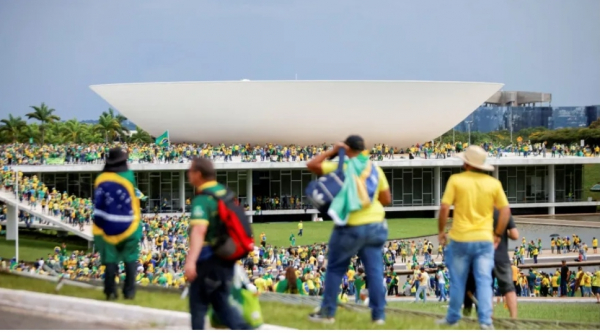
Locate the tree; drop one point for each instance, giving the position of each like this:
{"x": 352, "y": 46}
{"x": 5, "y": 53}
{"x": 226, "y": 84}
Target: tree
{"x": 595, "y": 124}
{"x": 12, "y": 127}
{"x": 109, "y": 126}
{"x": 140, "y": 136}
{"x": 44, "y": 115}
{"x": 118, "y": 117}
{"x": 72, "y": 131}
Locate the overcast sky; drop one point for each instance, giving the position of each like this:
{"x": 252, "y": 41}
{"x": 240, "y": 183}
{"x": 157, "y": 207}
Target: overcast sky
{"x": 52, "y": 50}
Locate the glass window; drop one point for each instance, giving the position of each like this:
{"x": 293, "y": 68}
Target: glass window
{"x": 297, "y": 189}
{"x": 275, "y": 174}
{"x": 396, "y": 189}
{"x": 232, "y": 176}
{"x": 296, "y": 175}
{"x": 286, "y": 184}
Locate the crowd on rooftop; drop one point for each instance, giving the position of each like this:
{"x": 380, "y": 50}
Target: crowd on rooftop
{"x": 32, "y": 154}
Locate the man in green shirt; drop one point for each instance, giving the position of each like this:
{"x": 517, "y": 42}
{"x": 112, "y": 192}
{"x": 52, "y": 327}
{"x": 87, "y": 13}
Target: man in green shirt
{"x": 209, "y": 275}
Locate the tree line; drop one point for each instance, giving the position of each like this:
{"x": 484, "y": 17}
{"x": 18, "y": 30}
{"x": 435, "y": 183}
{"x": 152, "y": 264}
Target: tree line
{"x": 48, "y": 128}
{"x": 590, "y": 135}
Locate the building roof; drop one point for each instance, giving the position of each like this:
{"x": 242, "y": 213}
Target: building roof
{"x": 399, "y": 113}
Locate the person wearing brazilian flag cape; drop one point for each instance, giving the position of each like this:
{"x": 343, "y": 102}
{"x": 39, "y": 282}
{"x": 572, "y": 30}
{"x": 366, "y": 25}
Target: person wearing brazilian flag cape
{"x": 117, "y": 229}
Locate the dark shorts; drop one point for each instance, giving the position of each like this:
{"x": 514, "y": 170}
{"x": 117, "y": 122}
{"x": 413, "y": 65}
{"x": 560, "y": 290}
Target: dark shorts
{"x": 503, "y": 273}
{"x": 596, "y": 290}
{"x": 595, "y": 247}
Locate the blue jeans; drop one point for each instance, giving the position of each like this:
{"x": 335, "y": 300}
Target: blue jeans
{"x": 478, "y": 257}
{"x": 366, "y": 240}
{"x": 422, "y": 290}
{"x": 442, "y": 288}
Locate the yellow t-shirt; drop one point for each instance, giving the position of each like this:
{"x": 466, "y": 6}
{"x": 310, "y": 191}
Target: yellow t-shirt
{"x": 300, "y": 226}
{"x": 261, "y": 285}
{"x": 351, "y": 274}
{"x": 375, "y": 212}
{"x": 554, "y": 281}
{"x": 515, "y": 272}
{"x": 596, "y": 282}
{"x": 473, "y": 195}
{"x": 595, "y": 243}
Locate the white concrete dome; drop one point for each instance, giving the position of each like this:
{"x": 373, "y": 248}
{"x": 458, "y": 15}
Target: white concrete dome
{"x": 400, "y": 113}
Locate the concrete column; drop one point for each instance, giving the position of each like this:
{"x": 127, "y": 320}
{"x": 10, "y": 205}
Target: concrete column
{"x": 551, "y": 189}
{"x": 437, "y": 189}
{"x": 182, "y": 190}
{"x": 249, "y": 192}
{"x": 496, "y": 172}
{"x": 12, "y": 225}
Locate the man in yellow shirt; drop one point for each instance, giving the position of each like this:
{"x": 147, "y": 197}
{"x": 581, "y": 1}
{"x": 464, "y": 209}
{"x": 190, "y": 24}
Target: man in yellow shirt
{"x": 596, "y": 285}
{"x": 472, "y": 238}
{"x": 300, "y": 228}
{"x": 595, "y": 245}
{"x": 365, "y": 231}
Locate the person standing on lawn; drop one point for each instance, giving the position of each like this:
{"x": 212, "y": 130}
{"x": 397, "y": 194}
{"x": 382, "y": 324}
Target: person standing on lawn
{"x": 117, "y": 229}
{"x": 472, "y": 238}
{"x": 365, "y": 230}
{"x": 210, "y": 276}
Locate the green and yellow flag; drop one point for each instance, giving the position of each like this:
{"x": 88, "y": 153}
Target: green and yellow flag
{"x": 163, "y": 140}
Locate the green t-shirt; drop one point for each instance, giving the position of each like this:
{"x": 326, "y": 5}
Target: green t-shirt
{"x": 204, "y": 210}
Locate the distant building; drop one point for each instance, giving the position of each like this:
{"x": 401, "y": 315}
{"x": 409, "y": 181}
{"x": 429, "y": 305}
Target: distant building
{"x": 521, "y": 110}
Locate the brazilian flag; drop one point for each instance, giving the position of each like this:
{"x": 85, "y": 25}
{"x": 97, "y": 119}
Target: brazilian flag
{"x": 117, "y": 229}
{"x": 163, "y": 140}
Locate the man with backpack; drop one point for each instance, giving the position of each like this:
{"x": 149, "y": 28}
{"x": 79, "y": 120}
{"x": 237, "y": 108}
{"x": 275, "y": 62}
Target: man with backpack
{"x": 215, "y": 245}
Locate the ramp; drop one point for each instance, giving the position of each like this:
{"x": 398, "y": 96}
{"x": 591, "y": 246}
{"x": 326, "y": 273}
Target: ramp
{"x": 9, "y": 199}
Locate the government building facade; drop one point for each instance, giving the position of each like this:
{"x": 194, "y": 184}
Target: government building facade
{"x": 275, "y": 191}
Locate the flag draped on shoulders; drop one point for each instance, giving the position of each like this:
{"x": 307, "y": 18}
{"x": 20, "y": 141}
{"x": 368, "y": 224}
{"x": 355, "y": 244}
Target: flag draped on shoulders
{"x": 116, "y": 207}
{"x": 358, "y": 191}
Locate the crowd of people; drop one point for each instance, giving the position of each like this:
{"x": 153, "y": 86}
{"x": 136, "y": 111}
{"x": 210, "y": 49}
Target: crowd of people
{"x": 33, "y": 154}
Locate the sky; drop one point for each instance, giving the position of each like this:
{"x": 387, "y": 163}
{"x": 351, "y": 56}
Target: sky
{"x": 51, "y": 51}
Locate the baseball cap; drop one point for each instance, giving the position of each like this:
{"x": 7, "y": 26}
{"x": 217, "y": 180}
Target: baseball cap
{"x": 355, "y": 142}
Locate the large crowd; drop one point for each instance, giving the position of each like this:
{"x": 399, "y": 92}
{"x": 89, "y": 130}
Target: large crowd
{"x": 162, "y": 253}
{"x": 32, "y": 154}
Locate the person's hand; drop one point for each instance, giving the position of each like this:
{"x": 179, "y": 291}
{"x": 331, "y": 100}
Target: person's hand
{"x": 496, "y": 241}
{"x": 339, "y": 145}
{"x": 442, "y": 238}
{"x": 190, "y": 271}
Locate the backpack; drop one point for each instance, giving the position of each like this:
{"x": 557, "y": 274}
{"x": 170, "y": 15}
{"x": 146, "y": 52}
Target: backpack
{"x": 234, "y": 239}
{"x": 321, "y": 192}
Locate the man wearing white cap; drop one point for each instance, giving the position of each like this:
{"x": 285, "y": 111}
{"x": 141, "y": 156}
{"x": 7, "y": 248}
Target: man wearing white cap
{"x": 472, "y": 238}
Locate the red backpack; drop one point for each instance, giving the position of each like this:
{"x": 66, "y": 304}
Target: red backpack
{"x": 234, "y": 239}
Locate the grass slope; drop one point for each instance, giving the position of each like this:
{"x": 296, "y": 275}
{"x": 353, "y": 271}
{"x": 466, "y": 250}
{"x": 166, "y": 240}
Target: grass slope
{"x": 36, "y": 245}
{"x": 273, "y": 313}
{"x": 279, "y": 233}
{"x": 591, "y": 177}
{"x": 572, "y": 312}
{"x": 295, "y": 316}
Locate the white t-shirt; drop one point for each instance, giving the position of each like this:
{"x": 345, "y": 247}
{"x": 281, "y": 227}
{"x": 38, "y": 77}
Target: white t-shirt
{"x": 440, "y": 277}
{"x": 320, "y": 258}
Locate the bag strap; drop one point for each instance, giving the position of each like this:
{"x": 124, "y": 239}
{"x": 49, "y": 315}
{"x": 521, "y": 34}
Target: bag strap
{"x": 342, "y": 158}
{"x": 228, "y": 197}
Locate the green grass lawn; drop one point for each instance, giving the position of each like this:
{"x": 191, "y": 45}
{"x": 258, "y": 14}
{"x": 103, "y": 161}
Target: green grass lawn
{"x": 295, "y": 316}
{"x": 572, "y": 312}
{"x": 274, "y": 313}
{"x": 35, "y": 246}
{"x": 591, "y": 177}
{"x": 279, "y": 233}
